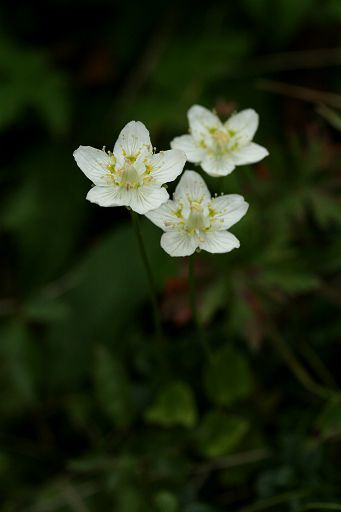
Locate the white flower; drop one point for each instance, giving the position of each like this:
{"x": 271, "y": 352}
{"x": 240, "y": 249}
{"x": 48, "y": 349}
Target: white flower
{"x": 220, "y": 147}
{"x": 132, "y": 175}
{"x": 193, "y": 219}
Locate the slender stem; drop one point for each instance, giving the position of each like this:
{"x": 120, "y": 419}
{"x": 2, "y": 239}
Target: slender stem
{"x": 300, "y": 93}
{"x": 193, "y": 304}
{"x": 317, "y": 365}
{"x": 296, "y": 367}
{"x": 150, "y": 278}
{"x": 319, "y": 506}
{"x": 192, "y": 298}
{"x": 275, "y": 500}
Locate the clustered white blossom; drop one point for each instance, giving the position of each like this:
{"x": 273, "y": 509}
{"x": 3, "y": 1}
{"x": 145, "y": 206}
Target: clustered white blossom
{"x": 194, "y": 220}
{"x": 133, "y": 175}
{"x": 220, "y": 147}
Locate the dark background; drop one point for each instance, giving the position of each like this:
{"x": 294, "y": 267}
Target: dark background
{"x": 95, "y": 414}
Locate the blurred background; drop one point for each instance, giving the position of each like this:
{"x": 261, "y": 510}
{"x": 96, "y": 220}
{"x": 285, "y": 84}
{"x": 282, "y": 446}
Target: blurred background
{"x": 95, "y": 414}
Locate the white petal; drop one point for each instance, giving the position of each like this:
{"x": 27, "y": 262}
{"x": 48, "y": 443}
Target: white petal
{"x": 147, "y": 197}
{"x": 244, "y": 125}
{"x": 165, "y": 216}
{"x": 108, "y": 196}
{"x": 167, "y": 165}
{"x": 216, "y": 165}
{"x": 133, "y": 139}
{"x": 249, "y": 154}
{"x": 228, "y": 210}
{"x": 178, "y": 243}
{"x": 93, "y": 162}
{"x": 192, "y": 187}
{"x": 219, "y": 242}
{"x": 187, "y": 144}
{"x": 201, "y": 121}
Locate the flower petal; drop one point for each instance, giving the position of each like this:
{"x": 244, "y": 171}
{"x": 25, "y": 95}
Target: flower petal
{"x": 165, "y": 217}
{"x": 108, "y": 196}
{"x": 244, "y": 124}
{"x": 178, "y": 243}
{"x": 132, "y": 141}
{"x": 187, "y": 144}
{"x": 201, "y": 121}
{"x": 167, "y": 165}
{"x": 219, "y": 242}
{"x": 249, "y": 154}
{"x": 93, "y": 162}
{"x": 218, "y": 165}
{"x": 228, "y": 210}
{"x": 192, "y": 187}
{"x": 147, "y": 197}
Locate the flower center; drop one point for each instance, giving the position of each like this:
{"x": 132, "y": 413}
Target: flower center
{"x": 129, "y": 177}
{"x": 220, "y": 141}
{"x": 197, "y": 220}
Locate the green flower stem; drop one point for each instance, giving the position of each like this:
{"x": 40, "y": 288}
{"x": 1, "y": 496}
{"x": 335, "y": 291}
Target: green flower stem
{"x": 150, "y": 278}
{"x": 296, "y": 367}
{"x": 275, "y": 500}
{"x": 320, "y": 506}
{"x": 317, "y": 365}
{"x": 193, "y": 304}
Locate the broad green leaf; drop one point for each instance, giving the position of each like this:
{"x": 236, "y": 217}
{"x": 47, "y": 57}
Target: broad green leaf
{"x": 220, "y": 433}
{"x": 289, "y": 280}
{"x": 329, "y": 421}
{"x": 326, "y": 208}
{"x": 227, "y": 376}
{"x": 213, "y": 301}
{"x": 19, "y": 364}
{"x": 112, "y": 387}
{"x": 45, "y": 309}
{"x": 174, "y": 405}
{"x": 130, "y": 499}
{"x": 165, "y": 501}
{"x": 280, "y": 19}
{"x": 29, "y": 82}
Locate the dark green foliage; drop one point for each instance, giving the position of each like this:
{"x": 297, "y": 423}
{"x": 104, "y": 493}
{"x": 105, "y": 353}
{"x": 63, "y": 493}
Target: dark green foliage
{"x": 227, "y": 377}
{"x": 174, "y": 405}
{"x": 220, "y": 433}
{"x": 96, "y": 413}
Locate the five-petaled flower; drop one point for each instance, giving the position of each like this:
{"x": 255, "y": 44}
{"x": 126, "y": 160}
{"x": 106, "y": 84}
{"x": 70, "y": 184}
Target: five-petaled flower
{"x": 220, "y": 147}
{"x": 194, "y": 220}
{"x": 132, "y": 175}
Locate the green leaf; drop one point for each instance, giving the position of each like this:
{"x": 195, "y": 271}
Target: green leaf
{"x": 112, "y": 387}
{"x": 213, "y": 300}
{"x": 219, "y": 433}
{"x": 174, "y": 405}
{"x": 30, "y": 215}
{"x": 326, "y": 208}
{"x": 166, "y": 502}
{"x": 289, "y": 280}
{"x": 280, "y": 19}
{"x": 330, "y": 115}
{"x": 227, "y": 377}
{"x": 93, "y": 462}
{"x": 29, "y": 82}
{"x": 329, "y": 421}
{"x": 130, "y": 499}
{"x": 40, "y": 308}
{"x": 19, "y": 365}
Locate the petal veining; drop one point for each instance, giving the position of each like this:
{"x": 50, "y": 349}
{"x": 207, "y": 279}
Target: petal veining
{"x": 94, "y": 163}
